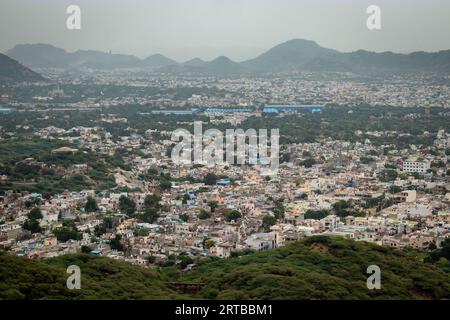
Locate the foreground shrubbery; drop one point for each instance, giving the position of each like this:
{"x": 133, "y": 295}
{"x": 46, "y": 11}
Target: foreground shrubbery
{"x": 322, "y": 268}
{"x": 101, "y": 278}
{"x": 316, "y": 268}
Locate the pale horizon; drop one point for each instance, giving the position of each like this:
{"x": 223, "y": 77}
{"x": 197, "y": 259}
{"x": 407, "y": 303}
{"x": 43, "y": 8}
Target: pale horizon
{"x": 240, "y": 30}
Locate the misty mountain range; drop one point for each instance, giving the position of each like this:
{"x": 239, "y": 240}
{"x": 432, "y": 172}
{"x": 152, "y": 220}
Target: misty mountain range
{"x": 291, "y": 56}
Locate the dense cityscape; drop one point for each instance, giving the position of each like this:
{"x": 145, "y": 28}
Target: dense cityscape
{"x": 117, "y": 193}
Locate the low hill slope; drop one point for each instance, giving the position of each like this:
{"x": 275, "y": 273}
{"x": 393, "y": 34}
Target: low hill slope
{"x": 316, "y": 268}
{"x": 322, "y": 268}
{"x": 12, "y": 71}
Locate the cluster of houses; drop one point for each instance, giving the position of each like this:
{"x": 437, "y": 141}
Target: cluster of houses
{"x": 410, "y": 209}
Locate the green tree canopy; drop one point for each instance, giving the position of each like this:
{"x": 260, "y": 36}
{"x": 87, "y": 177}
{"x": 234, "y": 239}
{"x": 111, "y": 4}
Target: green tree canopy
{"x": 91, "y": 205}
{"x": 35, "y": 214}
{"x": 127, "y": 206}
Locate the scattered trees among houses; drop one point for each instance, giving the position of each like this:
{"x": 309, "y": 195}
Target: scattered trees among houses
{"x": 152, "y": 208}
{"x": 32, "y": 225}
{"x": 316, "y": 214}
{"x": 127, "y": 206}
{"x": 152, "y": 201}
{"x": 67, "y": 232}
{"x": 151, "y": 259}
{"x": 203, "y": 215}
{"x": 35, "y": 214}
{"x": 186, "y": 198}
{"x": 85, "y": 249}
{"x": 141, "y": 232}
{"x": 395, "y": 189}
{"x": 344, "y": 208}
{"x": 267, "y": 222}
{"x": 303, "y": 196}
{"x": 388, "y": 175}
{"x": 37, "y": 176}
{"x": 184, "y": 260}
{"x": 367, "y": 160}
{"x": 379, "y": 203}
{"x": 32, "y": 202}
{"x": 233, "y": 215}
{"x": 103, "y": 227}
{"x": 208, "y": 243}
{"x": 165, "y": 180}
{"x": 213, "y": 205}
{"x": 210, "y": 179}
{"x": 184, "y": 217}
{"x": 165, "y": 184}
{"x": 279, "y": 209}
{"x": 116, "y": 243}
{"x": 308, "y": 163}
{"x": 91, "y": 205}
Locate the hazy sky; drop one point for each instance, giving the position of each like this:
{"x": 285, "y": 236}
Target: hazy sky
{"x": 240, "y": 29}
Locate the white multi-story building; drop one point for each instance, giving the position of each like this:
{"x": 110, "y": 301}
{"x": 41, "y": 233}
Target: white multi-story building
{"x": 261, "y": 241}
{"x": 416, "y": 166}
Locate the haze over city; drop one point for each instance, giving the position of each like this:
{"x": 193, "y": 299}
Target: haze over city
{"x": 184, "y": 29}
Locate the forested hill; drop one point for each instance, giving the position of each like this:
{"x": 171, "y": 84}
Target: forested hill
{"x": 12, "y": 71}
{"x": 316, "y": 268}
